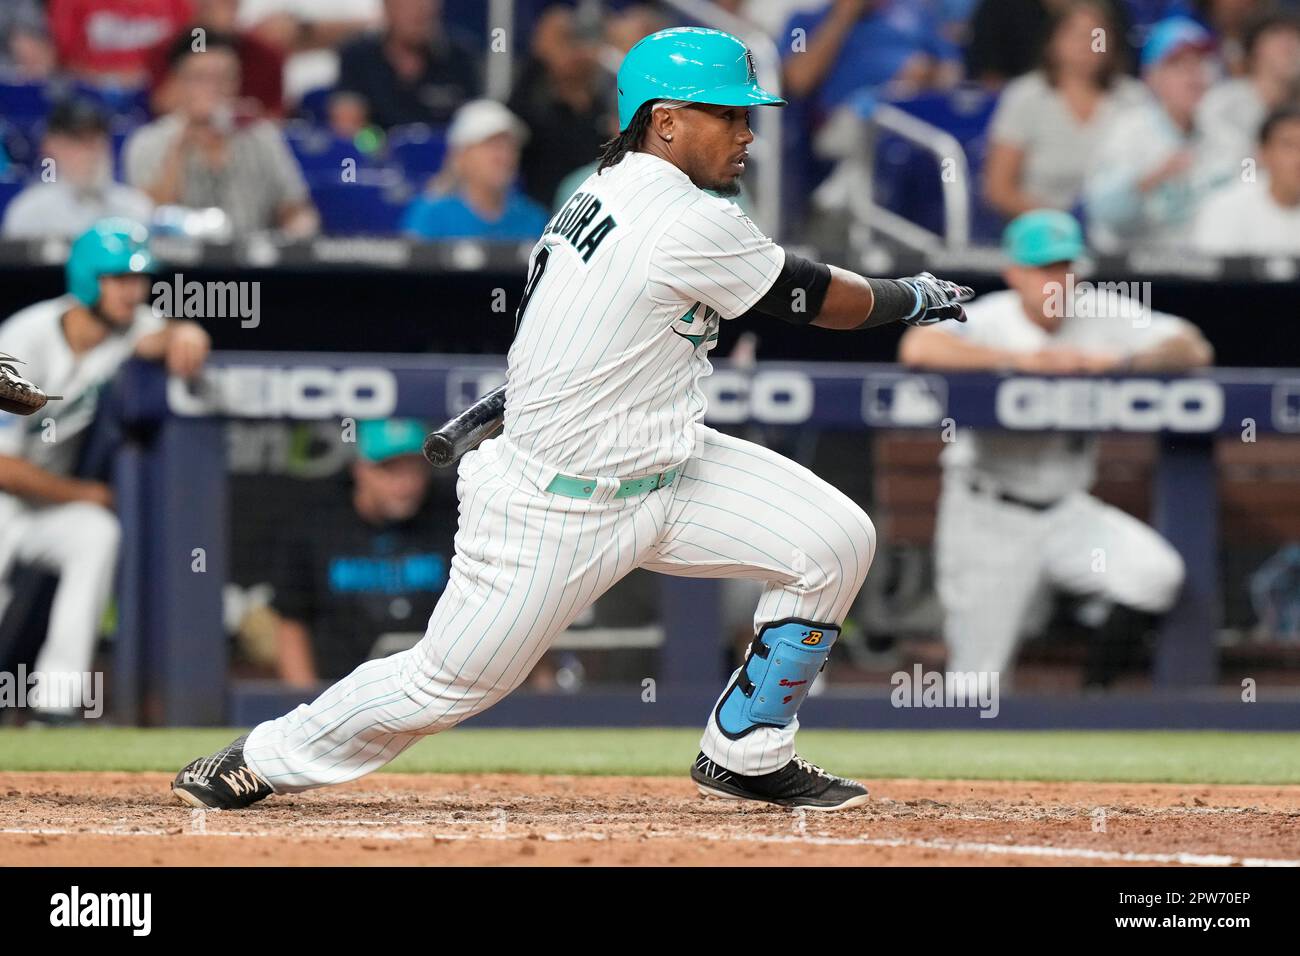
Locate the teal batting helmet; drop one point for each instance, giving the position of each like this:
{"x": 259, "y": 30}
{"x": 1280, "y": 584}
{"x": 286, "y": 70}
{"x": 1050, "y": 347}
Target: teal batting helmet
{"x": 110, "y": 247}
{"x": 691, "y": 64}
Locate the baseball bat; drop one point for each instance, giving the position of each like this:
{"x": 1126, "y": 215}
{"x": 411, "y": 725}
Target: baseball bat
{"x": 463, "y": 433}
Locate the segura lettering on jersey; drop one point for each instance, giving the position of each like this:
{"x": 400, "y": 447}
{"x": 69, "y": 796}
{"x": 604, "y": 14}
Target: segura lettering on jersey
{"x": 574, "y": 223}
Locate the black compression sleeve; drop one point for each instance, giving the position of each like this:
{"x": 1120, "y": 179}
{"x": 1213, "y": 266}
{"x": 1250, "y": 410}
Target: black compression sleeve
{"x": 894, "y": 300}
{"x": 798, "y": 292}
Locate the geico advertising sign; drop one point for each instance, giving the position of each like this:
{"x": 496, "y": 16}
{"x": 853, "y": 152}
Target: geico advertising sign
{"x": 771, "y": 397}
{"x": 774, "y": 397}
{"x": 269, "y": 392}
{"x": 1136, "y": 405}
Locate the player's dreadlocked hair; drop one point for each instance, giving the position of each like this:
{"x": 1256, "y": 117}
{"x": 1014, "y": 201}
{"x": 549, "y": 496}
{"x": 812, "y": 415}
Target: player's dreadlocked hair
{"x": 630, "y": 140}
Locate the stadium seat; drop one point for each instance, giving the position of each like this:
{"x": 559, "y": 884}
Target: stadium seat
{"x": 9, "y": 188}
{"x": 19, "y": 144}
{"x": 906, "y": 176}
{"x": 418, "y": 150}
{"x": 371, "y": 206}
{"x": 23, "y": 100}
{"x": 118, "y": 102}
{"x": 320, "y": 151}
{"x": 314, "y": 105}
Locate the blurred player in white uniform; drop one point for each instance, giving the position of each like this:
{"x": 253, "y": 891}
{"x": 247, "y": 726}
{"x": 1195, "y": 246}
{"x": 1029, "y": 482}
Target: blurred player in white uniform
{"x": 604, "y": 465}
{"x": 72, "y": 347}
{"x": 1016, "y": 521}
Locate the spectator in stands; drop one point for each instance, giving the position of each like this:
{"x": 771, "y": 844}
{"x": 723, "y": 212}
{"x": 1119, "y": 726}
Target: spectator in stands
{"x": 51, "y": 516}
{"x": 851, "y": 45}
{"x": 108, "y": 41}
{"x": 1045, "y": 129}
{"x": 308, "y": 33}
{"x": 562, "y": 96}
{"x": 205, "y": 154}
{"x": 25, "y": 47}
{"x": 413, "y": 72}
{"x": 1008, "y": 37}
{"x": 624, "y": 29}
{"x": 1229, "y": 21}
{"x": 1259, "y": 215}
{"x": 76, "y": 186}
{"x": 475, "y": 196}
{"x": 1233, "y": 109}
{"x": 375, "y": 568}
{"x": 1029, "y": 491}
{"x": 261, "y": 66}
{"x": 1153, "y": 165}
{"x": 348, "y": 115}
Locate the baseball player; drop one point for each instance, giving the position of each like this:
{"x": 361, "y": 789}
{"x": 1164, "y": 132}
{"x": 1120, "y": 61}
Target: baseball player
{"x": 1015, "y": 521}
{"x": 603, "y": 465}
{"x": 73, "y": 346}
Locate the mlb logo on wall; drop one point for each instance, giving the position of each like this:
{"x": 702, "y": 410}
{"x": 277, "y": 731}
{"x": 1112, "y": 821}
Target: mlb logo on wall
{"x": 466, "y": 387}
{"x": 1286, "y": 405}
{"x": 899, "y": 399}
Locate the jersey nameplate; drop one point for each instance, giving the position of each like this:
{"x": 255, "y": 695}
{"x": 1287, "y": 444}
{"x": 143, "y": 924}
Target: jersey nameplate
{"x": 574, "y": 223}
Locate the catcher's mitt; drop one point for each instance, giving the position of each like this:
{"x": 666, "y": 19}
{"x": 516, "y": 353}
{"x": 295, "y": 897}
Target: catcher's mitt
{"x": 17, "y": 395}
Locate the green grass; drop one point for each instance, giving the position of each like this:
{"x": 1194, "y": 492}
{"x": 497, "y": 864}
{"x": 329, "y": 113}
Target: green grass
{"x": 1148, "y": 756}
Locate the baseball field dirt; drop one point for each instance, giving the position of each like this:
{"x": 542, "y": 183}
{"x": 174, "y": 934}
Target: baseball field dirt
{"x": 130, "y": 819}
{"x": 620, "y": 796}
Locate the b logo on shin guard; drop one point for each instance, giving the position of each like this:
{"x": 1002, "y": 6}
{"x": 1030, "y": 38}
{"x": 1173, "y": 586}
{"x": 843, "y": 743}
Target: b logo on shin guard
{"x": 783, "y": 661}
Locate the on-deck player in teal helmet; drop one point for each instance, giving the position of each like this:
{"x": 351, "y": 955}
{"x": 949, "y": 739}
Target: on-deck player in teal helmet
{"x": 690, "y": 64}
{"x": 110, "y": 247}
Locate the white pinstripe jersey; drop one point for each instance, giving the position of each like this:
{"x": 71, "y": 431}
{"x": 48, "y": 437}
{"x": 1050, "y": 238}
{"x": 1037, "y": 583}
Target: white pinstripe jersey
{"x": 625, "y": 290}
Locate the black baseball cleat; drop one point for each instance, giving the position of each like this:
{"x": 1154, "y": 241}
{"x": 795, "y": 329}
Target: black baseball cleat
{"x": 797, "y": 784}
{"x": 222, "y": 781}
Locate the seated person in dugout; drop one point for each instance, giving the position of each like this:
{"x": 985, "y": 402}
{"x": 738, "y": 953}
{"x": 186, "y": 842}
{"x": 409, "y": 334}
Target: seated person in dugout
{"x": 348, "y": 588}
{"x": 1016, "y": 522}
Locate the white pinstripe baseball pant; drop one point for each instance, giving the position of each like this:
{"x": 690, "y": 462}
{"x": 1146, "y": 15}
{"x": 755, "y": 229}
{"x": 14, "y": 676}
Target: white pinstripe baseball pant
{"x": 528, "y": 562}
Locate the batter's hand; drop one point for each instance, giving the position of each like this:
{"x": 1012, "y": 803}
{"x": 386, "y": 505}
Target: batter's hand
{"x": 17, "y": 395}
{"x": 939, "y": 299}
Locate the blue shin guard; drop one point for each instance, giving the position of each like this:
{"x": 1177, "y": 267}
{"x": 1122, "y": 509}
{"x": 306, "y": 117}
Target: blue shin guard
{"x": 784, "y": 659}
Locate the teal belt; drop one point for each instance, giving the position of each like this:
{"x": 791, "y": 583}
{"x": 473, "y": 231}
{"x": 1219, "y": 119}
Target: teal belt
{"x": 572, "y": 487}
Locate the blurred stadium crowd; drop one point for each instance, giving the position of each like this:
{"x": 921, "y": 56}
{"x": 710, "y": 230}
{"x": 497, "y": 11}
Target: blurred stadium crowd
{"x": 1156, "y": 121}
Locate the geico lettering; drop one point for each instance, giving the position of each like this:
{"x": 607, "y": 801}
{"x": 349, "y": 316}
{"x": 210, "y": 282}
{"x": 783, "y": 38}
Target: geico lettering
{"x": 299, "y": 393}
{"x": 781, "y": 397}
{"x": 1137, "y": 405}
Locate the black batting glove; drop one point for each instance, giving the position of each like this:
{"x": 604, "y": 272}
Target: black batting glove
{"x": 936, "y": 299}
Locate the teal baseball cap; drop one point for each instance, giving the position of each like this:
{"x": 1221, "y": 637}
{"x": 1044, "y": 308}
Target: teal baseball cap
{"x": 691, "y": 64}
{"x": 381, "y": 440}
{"x": 1173, "y": 35}
{"x": 1042, "y": 237}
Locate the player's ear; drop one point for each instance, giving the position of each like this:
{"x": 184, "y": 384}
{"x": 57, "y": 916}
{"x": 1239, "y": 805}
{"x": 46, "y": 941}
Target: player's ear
{"x": 662, "y": 123}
